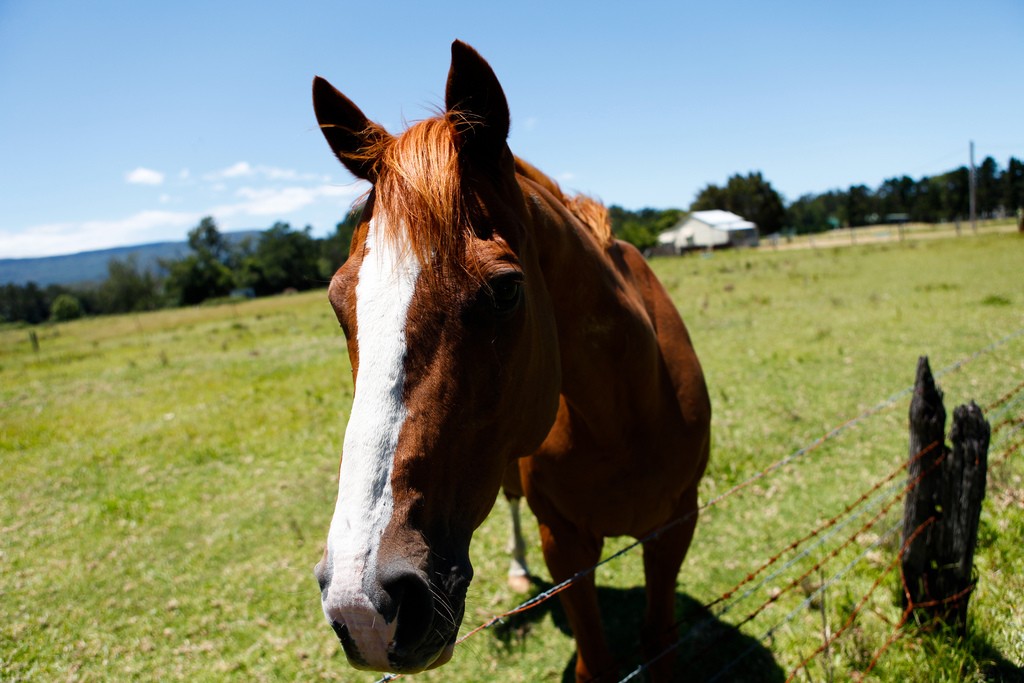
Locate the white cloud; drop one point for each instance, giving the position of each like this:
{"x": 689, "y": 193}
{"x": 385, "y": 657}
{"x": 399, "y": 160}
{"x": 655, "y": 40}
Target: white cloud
{"x": 238, "y": 170}
{"x": 243, "y": 169}
{"x": 281, "y": 201}
{"x": 144, "y": 176}
{"x": 69, "y": 237}
{"x": 273, "y": 201}
{"x": 272, "y": 173}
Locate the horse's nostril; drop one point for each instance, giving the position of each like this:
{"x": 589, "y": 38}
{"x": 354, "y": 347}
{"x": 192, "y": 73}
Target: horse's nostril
{"x": 409, "y": 601}
{"x": 323, "y": 577}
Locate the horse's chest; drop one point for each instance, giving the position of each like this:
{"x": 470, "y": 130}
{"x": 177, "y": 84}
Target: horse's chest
{"x": 609, "y": 489}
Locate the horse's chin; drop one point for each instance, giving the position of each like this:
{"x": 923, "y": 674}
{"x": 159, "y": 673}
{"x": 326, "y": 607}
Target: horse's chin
{"x": 440, "y": 659}
{"x": 433, "y": 661}
{"x": 405, "y": 663}
{"x": 444, "y": 657}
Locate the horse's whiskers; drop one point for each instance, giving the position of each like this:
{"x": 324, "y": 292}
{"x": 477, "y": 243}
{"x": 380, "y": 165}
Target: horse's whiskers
{"x": 441, "y": 601}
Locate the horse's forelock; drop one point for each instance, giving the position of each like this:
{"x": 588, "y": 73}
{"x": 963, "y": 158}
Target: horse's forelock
{"x": 419, "y": 191}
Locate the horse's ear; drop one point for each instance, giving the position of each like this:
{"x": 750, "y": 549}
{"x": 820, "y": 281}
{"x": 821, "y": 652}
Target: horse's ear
{"x": 475, "y": 96}
{"x": 354, "y": 139}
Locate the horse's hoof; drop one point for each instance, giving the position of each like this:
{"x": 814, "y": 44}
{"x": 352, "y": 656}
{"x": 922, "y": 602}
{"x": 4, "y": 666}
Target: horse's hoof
{"x": 519, "y": 584}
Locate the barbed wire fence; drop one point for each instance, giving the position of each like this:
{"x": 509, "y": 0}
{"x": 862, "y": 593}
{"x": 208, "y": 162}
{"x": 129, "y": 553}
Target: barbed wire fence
{"x": 1006, "y": 414}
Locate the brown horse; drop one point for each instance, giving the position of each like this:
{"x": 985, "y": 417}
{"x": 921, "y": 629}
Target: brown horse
{"x": 490, "y": 318}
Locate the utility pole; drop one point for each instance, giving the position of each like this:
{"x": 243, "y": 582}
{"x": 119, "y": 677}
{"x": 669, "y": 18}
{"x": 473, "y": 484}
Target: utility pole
{"x": 973, "y": 192}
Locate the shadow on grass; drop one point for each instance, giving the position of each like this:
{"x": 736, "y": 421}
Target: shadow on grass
{"x": 992, "y": 663}
{"x": 998, "y": 668}
{"x": 709, "y": 649}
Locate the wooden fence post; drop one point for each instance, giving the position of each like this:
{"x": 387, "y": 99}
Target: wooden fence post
{"x": 937, "y": 562}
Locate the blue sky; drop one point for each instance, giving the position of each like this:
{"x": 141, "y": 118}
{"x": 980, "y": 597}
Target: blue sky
{"x": 127, "y": 122}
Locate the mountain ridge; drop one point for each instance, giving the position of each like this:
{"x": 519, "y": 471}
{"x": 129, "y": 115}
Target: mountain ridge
{"x": 91, "y": 266}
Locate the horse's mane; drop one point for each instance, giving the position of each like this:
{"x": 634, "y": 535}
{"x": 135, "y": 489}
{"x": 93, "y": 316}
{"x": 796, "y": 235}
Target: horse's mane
{"x": 419, "y": 182}
{"x": 589, "y": 211}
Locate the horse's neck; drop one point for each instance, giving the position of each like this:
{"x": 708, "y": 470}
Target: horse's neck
{"x": 606, "y": 341}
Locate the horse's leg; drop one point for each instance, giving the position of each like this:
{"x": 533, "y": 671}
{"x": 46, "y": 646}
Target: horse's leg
{"x": 663, "y": 556}
{"x": 566, "y": 552}
{"x": 518, "y": 572}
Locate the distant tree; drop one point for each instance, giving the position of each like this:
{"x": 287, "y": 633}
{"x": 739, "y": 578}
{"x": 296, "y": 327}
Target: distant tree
{"x": 667, "y": 219}
{"x": 956, "y": 193}
{"x": 813, "y": 213}
{"x": 641, "y": 228}
{"x": 896, "y": 195}
{"x": 334, "y": 249}
{"x": 857, "y": 209}
{"x": 192, "y": 280}
{"x": 1012, "y": 182}
{"x": 929, "y": 204}
{"x": 283, "y": 259}
{"x": 640, "y": 235}
{"x": 129, "y": 288}
{"x": 208, "y": 242}
{"x": 65, "y": 307}
{"x": 24, "y": 303}
{"x": 987, "y": 183}
{"x": 715, "y": 197}
{"x": 204, "y": 273}
{"x": 806, "y": 214}
{"x": 750, "y": 196}
{"x": 618, "y": 216}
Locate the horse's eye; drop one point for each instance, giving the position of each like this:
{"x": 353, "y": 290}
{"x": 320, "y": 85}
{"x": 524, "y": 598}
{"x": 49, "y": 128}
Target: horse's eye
{"x": 506, "y": 293}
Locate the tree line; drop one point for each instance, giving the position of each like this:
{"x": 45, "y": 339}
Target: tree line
{"x": 930, "y": 199}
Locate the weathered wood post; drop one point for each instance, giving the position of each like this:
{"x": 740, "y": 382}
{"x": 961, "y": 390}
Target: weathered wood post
{"x": 938, "y": 562}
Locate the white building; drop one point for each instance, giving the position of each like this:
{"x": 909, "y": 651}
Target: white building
{"x": 707, "y": 230}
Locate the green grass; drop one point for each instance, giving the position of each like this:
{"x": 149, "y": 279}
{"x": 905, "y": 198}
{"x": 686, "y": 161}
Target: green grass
{"x": 168, "y": 479}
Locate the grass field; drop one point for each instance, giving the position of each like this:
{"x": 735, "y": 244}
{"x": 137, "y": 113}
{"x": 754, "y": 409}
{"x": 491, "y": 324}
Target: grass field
{"x": 168, "y": 480}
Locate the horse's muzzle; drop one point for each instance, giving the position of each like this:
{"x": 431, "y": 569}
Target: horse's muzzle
{"x": 396, "y": 621}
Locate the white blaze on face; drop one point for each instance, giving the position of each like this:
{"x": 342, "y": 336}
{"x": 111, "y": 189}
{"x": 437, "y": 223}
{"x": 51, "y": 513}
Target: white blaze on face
{"x": 387, "y": 281}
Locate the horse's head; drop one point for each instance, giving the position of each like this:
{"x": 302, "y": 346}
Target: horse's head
{"x": 455, "y": 359}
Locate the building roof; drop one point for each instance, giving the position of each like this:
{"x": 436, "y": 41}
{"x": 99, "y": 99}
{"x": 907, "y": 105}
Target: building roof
{"x": 716, "y": 219}
{"x": 722, "y": 220}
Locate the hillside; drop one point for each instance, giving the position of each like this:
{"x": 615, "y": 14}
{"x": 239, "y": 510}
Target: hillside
{"x": 91, "y": 266}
